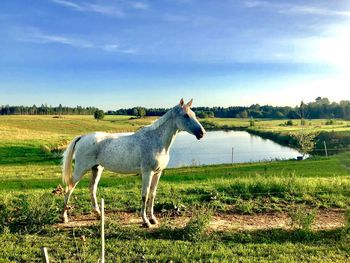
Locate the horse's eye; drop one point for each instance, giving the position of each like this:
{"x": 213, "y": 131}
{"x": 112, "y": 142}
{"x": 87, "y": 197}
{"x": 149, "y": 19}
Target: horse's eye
{"x": 187, "y": 116}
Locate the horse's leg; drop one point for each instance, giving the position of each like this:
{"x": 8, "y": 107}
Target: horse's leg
{"x": 95, "y": 178}
{"x": 78, "y": 174}
{"x": 146, "y": 182}
{"x": 67, "y": 195}
{"x": 152, "y": 194}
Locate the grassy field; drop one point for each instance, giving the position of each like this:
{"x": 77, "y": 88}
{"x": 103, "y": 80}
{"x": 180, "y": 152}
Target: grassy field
{"x": 26, "y": 139}
{"x": 204, "y": 211}
{"x": 280, "y": 125}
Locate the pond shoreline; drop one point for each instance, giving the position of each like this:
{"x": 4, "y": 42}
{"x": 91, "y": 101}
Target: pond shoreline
{"x": 337, "y": 141}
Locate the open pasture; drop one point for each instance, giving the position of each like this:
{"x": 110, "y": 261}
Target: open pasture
{"x": 319, "y": 125}
{"x": 270, "y": 211}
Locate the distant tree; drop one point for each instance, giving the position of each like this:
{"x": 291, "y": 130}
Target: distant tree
{"x": 211, "y": 114}
{"x": 279, "y": 115}
{"x": 244, "y": 114}
{"x": 99, "y": 114}
{"x": 141, "y": 112}
{"x": 302, "y": 111}
{"x": 135, "y": 112}
{"x": 306, "y": 141}
{"x": 59, "y": 110}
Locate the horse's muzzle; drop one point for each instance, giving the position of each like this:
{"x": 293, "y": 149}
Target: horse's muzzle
{"x": 200, "y": 134}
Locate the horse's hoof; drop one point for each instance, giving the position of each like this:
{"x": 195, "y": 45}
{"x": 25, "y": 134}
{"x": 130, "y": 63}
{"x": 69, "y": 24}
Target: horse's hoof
{"x": 97, "y": 214}
{"x": 153, "y": 221}
{"x": 146, "y": 225}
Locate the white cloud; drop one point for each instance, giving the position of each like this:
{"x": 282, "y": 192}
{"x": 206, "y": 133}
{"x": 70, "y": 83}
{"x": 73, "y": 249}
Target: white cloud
{"x": 252, "y": 4}
{"x": 288, "y": 8}
{"x": 34, "y": 35}
{"x": 139, "y": 5}
{"x": 311, "y": 10}
{"x": 128, "y": 51}
{"x": 110, "y": 47}
{"x": 88, "y": 7}
{"x": 68, "y": 4}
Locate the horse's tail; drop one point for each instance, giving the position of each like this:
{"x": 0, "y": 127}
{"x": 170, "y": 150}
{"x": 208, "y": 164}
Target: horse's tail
{"x": 67, "y": 162}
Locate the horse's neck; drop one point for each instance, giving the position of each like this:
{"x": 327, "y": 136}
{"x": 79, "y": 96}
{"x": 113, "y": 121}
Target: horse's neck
{"x": 166, "y": 133}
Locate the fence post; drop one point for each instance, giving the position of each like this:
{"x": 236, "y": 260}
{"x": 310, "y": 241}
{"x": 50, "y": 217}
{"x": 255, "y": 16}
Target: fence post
{"x": 232, "y": 157}
{"x": 44, "y": 255}
{"x": 102, "y": 230}
{"x": 325, "y": 148}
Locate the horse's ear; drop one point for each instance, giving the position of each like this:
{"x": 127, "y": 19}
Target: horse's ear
{"x": 189, "y": 104}
{"x": 181, "y": 102}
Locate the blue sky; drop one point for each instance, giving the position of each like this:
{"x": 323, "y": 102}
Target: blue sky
{"x": 119, "y": 53}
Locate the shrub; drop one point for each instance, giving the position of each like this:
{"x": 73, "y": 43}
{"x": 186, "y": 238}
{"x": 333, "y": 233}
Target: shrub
{"x": 99, "y": 114}
{"x": 28, "y": 214}
{"x": 302, "y": 218}
{"x": 306, "y": 140}
{"x": 330, "y": 122}
{"x": 289, "y": 123}
{"x": 55, "y": 149}
{"x": 245, "y": 206}
{"x": 196, "y": 228}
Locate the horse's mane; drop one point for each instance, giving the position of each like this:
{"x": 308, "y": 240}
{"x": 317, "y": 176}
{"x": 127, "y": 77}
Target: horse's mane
{"x": 156, "y": 124}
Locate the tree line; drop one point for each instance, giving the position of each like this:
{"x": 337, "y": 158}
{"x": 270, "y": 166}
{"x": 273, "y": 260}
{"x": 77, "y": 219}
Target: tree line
{"x": 321, "y": 108}
{"x": 46, "y": 110}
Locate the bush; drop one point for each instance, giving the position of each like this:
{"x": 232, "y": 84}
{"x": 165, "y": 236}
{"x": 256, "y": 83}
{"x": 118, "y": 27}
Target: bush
{"x": 28, "y": 214}
{"x": 302, "y": 218}
{"x": 196, "y": 228}
{"x": 289, "y": 123}
{"x": 306, "y": 141}
{"x": 99, "y": 114}
{"x": 55, "y": 149}
{"x": 330, "y": 122}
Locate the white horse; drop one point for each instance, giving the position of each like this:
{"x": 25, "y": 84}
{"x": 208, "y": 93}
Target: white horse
{"x": 145, "y": 152}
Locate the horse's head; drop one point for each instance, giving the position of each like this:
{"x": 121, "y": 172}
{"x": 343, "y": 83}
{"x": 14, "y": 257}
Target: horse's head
{"x": 186, "y": 120}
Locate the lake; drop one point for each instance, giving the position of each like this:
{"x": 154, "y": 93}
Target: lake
{"x": 216, "y": 148}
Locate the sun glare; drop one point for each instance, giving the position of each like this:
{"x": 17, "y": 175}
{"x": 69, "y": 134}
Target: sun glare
{"x": 334, "y": 49}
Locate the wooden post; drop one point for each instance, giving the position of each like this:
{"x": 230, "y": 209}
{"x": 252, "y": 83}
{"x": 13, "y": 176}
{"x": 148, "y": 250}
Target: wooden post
{"x": 44, "y": 255}
{"x": 232, "y": 157}
{"x": 102, "y": 230}
{"x": 325, "y": 148}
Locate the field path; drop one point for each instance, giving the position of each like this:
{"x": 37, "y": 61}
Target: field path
{"x": 325, "y": 220}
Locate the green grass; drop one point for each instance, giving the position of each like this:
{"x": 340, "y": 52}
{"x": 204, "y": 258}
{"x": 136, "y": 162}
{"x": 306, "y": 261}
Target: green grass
{"x": 258, "y": 246}
{"x": 29, "y": 171}
{"x": 279, "y": 125}
{"x": 242, "y": 188}
{"x": 25, "y": 138}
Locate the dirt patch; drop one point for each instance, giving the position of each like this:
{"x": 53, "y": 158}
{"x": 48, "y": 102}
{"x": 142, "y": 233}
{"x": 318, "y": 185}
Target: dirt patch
{"x": 325, "y": 220}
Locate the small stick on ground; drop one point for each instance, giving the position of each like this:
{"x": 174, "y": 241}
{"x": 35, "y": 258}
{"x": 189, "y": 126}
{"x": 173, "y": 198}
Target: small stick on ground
{"x": 44, "y": 255}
